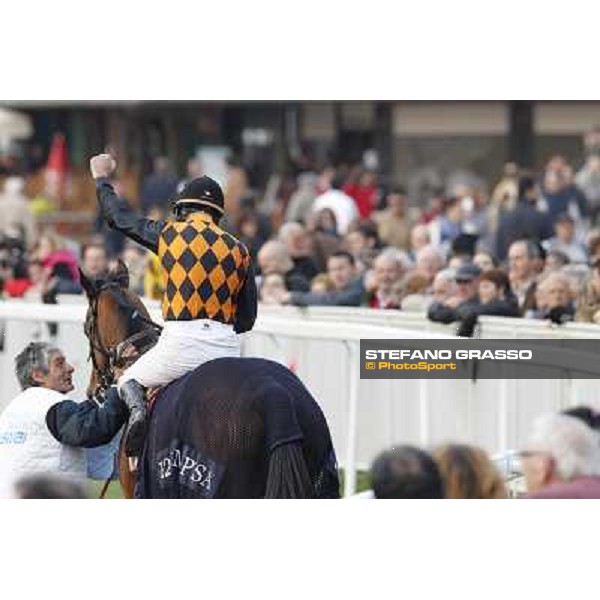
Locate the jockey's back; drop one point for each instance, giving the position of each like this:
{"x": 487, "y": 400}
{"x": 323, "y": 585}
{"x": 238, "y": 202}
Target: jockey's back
{"x": 204, "y": 269}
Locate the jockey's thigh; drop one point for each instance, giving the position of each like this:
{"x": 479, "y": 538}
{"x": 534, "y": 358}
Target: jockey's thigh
{"x": 181, "y": 348}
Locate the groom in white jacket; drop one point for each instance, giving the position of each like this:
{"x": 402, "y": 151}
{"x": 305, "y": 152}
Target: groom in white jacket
{"x": 41, "y": 430}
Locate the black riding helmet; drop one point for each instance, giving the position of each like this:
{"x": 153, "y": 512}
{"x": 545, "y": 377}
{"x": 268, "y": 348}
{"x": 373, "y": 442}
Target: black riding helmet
{"x": 201, "y": 194}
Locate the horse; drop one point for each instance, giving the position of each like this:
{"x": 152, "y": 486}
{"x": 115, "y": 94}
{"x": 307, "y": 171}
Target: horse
{"x": 232, "y": 428}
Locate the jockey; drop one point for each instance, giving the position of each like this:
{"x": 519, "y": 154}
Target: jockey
{"x": 210, "y": 292}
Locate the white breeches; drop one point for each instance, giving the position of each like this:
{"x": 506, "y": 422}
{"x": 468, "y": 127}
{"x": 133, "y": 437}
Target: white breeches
{"x": 182, "y": 346}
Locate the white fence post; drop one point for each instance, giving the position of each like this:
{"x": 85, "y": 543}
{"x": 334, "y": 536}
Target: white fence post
{"x": 352, "y": 421}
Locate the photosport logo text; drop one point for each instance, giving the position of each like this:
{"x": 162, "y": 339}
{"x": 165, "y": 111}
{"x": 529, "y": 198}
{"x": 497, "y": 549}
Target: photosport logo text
{"x": 479, "y": 359}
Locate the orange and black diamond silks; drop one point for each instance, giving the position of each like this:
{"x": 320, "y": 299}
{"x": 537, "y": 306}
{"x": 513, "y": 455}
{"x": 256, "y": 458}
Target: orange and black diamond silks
{"x": 204, "y": 269}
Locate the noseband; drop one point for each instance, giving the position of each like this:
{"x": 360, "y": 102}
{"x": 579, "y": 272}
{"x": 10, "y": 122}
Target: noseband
{"x": 113, "y": 355}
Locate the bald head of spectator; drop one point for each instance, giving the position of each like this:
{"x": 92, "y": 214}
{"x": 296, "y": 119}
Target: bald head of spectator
{"x": 274, "y": 257}
{"x": 428, "y": 262}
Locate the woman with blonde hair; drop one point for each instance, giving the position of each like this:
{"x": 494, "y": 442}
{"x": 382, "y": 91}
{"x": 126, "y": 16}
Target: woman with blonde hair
{"x": 468, "y": 473}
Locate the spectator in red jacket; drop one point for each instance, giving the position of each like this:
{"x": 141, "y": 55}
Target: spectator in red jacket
{"x": 364, "y": 193}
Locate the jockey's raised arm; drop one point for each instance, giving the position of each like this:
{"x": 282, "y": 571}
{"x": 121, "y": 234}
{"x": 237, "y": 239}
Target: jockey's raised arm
{"x": 117, "y": 212}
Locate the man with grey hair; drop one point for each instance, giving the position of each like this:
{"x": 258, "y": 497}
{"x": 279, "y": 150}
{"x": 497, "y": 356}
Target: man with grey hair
{"x": 561, "y": 459}
{"x": 388, "y": 268}
{"x": 41, "y": 430}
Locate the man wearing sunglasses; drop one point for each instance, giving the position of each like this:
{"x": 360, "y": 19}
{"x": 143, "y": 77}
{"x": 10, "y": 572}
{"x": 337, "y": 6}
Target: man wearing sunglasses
{"x": 464, "y": 300}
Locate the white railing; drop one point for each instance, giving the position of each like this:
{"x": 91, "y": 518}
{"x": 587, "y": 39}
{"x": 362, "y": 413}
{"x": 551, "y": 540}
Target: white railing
{"x": 365, "y": 416}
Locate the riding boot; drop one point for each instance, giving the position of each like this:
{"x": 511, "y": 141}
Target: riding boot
{"x": 132, "y": 393}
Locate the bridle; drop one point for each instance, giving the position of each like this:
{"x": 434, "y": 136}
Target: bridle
{"x": 114, "y": 356}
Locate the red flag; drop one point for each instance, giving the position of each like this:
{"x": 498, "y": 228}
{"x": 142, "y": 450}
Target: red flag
{"x": 57, "y": 166}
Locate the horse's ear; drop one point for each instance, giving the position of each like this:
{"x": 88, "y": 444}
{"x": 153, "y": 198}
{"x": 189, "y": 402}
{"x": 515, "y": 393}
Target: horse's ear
{"x": 120, "y": 274}
{"x": 86, "y": 284}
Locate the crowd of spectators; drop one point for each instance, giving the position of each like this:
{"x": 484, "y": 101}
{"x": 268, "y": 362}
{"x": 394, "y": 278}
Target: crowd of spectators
{"x": 338, "y": 236}
{"x": 559, "y": 460}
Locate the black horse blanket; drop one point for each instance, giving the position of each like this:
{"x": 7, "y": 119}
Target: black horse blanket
{"x": 237, "y": 428}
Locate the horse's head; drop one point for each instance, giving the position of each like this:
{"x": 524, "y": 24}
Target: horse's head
{"x": 116, "y": 322}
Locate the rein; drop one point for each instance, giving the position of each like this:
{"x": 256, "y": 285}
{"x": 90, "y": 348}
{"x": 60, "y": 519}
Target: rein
{"x": 113, "y": 355}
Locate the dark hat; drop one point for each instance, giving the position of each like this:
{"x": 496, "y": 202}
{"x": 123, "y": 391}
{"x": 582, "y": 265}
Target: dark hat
{"x": 467, "y": 272}
{"x": 202, "y": 191}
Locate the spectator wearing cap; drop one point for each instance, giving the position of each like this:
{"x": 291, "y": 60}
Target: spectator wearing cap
{"x": 495, "y": 299}
{"x": 561, "y": 459}
{"x": 406, "y": 472}
{"x": 565, "y": 241}
{"x": 587, "y": 303}
{"x": 526, "y": 221}
{"x": 464, "y": 301}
